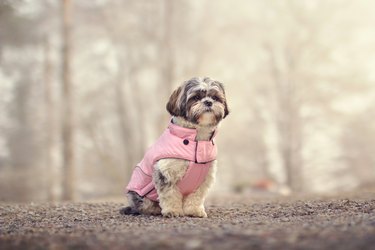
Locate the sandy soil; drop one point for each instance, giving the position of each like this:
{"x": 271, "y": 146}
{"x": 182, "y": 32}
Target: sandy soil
{"x": 345, "y": 222}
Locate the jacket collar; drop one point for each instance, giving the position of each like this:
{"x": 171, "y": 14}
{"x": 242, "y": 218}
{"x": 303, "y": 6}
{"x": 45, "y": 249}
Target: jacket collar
{"x": 186, "y": 133}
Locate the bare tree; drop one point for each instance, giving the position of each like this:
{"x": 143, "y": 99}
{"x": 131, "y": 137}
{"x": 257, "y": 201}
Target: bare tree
{"x": 286, "y": 116}
{"x": 67, "y": 115}
{"x": 167, "y": 45}
{"x": 50, "y": 174}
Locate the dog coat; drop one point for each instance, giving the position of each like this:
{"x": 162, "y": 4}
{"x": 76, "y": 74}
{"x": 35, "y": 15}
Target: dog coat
{"x": 178, "y": 143}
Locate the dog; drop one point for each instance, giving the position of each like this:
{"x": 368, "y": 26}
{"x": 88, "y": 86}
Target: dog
{"x": 176, "y": 173}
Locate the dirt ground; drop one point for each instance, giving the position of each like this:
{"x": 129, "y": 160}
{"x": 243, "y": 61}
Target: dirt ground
{"x": 234, "y": 222}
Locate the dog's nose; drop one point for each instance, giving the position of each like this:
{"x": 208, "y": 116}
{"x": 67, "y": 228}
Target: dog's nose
{"x": 207, "y": 103}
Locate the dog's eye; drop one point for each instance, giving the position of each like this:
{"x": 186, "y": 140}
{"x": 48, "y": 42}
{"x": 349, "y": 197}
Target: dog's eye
{"x": 197, "y": 98}
{"x": 215, "y": 98}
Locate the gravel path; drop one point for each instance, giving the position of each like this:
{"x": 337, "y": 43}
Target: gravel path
{"x": 330, "y": 223}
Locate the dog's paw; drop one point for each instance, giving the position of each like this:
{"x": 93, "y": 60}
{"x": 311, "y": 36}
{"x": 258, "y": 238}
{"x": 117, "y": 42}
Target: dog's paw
{"x": 195, "y": 212}
{"x": 172, "y": 213}
{"x": 129, "y": 211}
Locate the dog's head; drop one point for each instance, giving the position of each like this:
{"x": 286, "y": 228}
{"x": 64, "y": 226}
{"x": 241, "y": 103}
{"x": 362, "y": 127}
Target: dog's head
{"x": 201, "y": 101}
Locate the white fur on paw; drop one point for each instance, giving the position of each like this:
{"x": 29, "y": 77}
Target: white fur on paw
{"x": 172, "y": 213}
{"x": 195, "y": 212}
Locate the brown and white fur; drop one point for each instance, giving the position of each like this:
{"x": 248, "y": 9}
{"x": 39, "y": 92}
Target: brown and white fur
{"x": 200, "y": 103}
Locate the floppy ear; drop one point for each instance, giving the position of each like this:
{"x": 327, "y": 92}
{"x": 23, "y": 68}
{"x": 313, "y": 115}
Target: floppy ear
{"x": 173, "y": 106}
{"x": 226, "y": 110}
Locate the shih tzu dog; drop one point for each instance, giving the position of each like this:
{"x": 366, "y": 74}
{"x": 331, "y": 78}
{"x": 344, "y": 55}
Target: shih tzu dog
{"x": 177, "y": 171}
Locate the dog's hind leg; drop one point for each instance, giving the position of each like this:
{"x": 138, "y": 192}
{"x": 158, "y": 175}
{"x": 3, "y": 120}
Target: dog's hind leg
{"x": 140, "y": 205}
{"x": 135, "y": 203}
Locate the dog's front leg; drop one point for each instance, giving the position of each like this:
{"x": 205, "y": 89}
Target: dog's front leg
{"x": 194, "y": 203}
{"x": 167, "y": 173}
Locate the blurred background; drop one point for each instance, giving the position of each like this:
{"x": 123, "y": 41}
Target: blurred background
{"x": 83, "y": 88}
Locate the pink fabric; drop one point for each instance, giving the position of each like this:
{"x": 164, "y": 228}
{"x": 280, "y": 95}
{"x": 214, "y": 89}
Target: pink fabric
{"x": 179, "y": 143}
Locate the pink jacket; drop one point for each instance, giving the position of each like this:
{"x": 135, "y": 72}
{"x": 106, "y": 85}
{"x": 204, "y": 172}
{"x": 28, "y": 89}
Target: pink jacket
{"x": 179, "y": 143}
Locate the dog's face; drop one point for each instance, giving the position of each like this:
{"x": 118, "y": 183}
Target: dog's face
{"x": 201, "y": 101}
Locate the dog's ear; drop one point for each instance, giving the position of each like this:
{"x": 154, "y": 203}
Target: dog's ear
{"x": 226, "y": 109}
{"x": 173, "y": 105}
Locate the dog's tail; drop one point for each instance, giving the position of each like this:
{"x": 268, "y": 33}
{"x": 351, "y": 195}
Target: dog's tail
{"x": 129, "y": 211}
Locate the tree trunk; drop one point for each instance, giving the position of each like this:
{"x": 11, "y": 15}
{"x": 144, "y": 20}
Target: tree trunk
{"x": 50, "y": 174}
{"x": 287, "y": 119}
{"x": 168, "y": 60}
{"x": 67, "y": 105}
{"x": 127, "y": 158}
{"x": 168, "y": 72}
